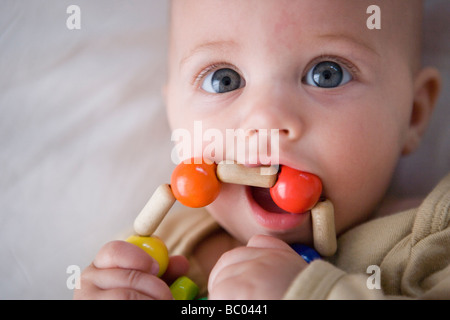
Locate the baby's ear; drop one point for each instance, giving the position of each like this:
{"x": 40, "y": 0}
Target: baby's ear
{"x": 426, "y": 91}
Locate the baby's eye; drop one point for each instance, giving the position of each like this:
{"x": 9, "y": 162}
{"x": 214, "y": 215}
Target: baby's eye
{"x": 222, "y": 81}
{"x": 327, "y": 74}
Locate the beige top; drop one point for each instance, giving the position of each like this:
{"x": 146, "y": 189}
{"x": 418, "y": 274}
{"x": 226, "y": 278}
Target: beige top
{"x": 409, "y": 251}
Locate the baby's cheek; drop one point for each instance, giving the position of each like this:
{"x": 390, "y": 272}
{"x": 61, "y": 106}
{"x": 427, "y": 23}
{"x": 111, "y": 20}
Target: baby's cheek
{"x": 358, "y": 168}
{"x": 228, "y": 210}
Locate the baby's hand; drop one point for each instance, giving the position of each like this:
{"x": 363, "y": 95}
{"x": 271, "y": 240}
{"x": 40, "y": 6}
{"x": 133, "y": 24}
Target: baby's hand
{"x": 124, "y": 271}
{"x": 263, "y": 269}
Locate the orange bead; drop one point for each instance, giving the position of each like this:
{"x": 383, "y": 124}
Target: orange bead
{"x": 195, "y": 185}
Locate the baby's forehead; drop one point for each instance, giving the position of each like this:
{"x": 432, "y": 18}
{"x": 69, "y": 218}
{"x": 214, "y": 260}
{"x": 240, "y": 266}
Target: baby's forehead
{"x": 204, "y": 21}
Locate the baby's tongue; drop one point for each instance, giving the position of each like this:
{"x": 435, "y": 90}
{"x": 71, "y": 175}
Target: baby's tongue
{"x": 263, "y": 198}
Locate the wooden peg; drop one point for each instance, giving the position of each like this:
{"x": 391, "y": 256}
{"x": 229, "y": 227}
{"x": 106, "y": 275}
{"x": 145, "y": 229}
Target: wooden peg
{"x": 154, "y": 211}
{"x": 324, "y": 231}
{"x": 232, "y": 172}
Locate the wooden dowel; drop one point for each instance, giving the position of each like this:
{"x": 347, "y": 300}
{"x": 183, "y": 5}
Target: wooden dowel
{"x": 324, "y": 231}
{"x": 232, "y": 172}
{"x": 154, "y": 211}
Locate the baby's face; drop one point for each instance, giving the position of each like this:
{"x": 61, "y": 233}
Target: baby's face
{"x": 339, "y": 93}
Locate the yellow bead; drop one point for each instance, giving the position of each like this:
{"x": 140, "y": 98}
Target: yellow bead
{"x": 184, "y": 289}
{"x": 155, "y": 247}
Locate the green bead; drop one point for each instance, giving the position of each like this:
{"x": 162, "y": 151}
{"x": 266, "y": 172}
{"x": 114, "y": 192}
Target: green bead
{"x": 184, "y": 289}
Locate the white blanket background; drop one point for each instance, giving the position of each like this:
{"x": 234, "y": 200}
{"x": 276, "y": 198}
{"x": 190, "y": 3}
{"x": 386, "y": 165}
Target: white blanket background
{"x": 83, "y": 135}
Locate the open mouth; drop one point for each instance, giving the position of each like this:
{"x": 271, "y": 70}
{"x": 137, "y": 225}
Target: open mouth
{"x": 288, "y": 203}
{"x": 294, "y": 192}
{"x": 269, "y": 215}
{"x": 263, "y": 198}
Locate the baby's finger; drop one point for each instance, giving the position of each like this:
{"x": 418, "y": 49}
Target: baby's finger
{"x": 264, "y": 241}
{"x": 124, "y": 255}
{"x": 91, "y": 292}
{"x": 230, "y": 258}
{"x": 121, "y": 294}
{"x": 178, "y": 266}
{"x": 129, "y": 279}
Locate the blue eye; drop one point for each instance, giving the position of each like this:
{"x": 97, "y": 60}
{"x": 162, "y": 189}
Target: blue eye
{"x": 327, "y": 74}
{"x": 222, "y": 81}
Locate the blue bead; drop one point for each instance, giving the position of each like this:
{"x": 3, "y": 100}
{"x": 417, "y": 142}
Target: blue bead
{"x": 307, "y": 253}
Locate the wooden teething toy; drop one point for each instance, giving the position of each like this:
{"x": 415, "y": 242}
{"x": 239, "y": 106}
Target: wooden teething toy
{"x": 196, "y": 183}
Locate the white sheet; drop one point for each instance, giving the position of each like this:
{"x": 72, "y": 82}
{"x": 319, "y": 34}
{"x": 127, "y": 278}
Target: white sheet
{"x": 83, "y": 135}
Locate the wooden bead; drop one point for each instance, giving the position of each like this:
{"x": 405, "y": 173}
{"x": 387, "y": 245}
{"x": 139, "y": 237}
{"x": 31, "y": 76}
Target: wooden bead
{"x": 324, "y": 231}
{"x": 154, "y": 211}
{"x": 232, "y": 172}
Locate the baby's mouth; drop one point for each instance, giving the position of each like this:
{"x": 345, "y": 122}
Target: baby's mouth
{"x": 269, "y": 215}
{"x": 263, "y": 198}
{"x": 293, "y": 191}
{"x": 284, "y": 204}
{"x": 277, "y": 189}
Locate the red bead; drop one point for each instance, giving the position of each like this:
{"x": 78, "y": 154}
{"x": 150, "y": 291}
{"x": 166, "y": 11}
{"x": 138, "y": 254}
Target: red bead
{"x": 296, "y": 191}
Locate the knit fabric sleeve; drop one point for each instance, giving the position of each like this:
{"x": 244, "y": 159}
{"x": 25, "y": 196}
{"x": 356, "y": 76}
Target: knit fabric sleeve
{"x": 411, "y": 251}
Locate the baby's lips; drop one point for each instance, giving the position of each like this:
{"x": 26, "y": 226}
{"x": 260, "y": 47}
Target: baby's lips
{"x": 296, "y": 191}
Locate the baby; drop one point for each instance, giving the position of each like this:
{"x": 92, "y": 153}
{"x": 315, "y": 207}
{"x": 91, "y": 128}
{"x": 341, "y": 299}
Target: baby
{"x": 348, "y": 101}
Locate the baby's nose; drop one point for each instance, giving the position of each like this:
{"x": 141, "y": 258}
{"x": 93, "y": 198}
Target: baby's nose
{"x": 273, "y": 110}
